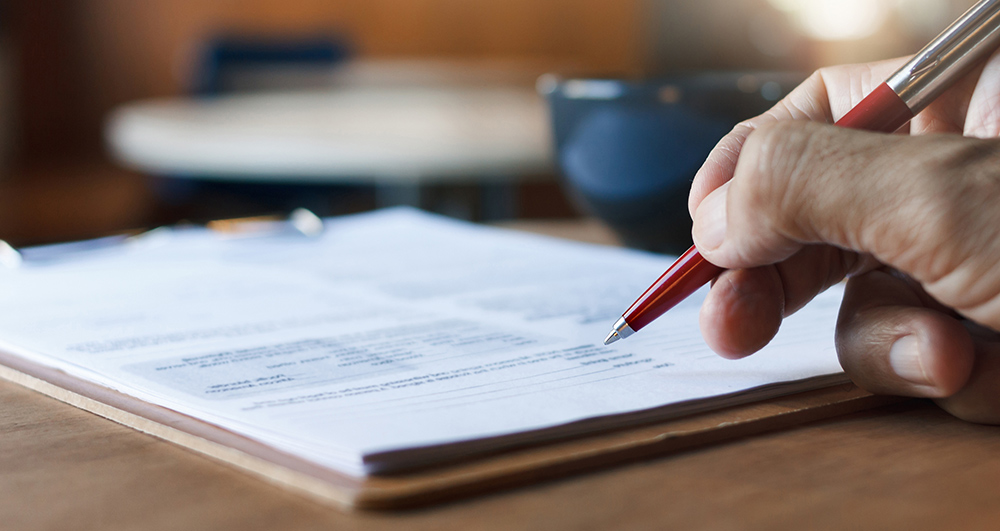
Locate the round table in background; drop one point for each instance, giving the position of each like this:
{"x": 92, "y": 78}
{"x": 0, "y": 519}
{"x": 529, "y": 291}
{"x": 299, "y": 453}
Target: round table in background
{"x": 399, "y": 139}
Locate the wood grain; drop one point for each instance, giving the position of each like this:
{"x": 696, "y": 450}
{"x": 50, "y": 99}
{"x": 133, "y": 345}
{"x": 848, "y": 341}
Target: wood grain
{"x": 515, "y": 467}
{"x": 910, "y": 466}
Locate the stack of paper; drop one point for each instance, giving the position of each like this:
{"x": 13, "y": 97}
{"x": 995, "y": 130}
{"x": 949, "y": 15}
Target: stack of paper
{"x": 394, "y": 340}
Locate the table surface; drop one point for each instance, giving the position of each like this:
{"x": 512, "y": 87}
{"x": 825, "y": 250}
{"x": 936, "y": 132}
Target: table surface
{"x": 381, "y": 134}
{"x": 905, "y": 466}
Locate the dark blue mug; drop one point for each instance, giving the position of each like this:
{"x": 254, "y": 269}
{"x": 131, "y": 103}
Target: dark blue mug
{"x": 628, "y": 150}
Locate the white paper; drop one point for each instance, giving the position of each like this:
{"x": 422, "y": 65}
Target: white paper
{"x": 392, "y": 334}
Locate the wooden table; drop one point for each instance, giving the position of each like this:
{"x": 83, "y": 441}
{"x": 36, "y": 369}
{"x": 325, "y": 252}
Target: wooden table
{"x": 908, "y": 466}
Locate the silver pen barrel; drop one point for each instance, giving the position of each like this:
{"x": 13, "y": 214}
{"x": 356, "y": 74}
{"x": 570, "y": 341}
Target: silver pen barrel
{"x": 953, "y": 53}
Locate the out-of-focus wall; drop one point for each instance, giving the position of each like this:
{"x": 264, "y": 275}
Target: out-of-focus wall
{"x": 100, "y": 53}
{"x": 148, "y": 43}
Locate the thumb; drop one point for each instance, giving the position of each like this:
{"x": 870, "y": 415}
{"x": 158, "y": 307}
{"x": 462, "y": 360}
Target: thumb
{"x": 923, "y": 205}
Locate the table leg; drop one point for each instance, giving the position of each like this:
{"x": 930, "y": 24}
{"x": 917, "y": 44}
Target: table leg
{"x": 499, "y": 201}
{"x": 395, "y": 194}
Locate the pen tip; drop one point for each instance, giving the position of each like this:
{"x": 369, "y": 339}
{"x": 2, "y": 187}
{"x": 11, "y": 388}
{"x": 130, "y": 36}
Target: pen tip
{"x": 612, "y": 337}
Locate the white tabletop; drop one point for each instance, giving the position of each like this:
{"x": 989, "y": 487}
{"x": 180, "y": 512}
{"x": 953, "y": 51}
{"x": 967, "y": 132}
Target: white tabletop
{"x": 357, "y": 134}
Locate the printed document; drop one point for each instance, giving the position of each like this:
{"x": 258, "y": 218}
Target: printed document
{"x": 394, "y": 340}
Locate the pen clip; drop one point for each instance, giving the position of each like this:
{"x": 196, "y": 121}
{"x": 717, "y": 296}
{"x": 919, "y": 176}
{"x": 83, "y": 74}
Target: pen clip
{"x": 951, "y": 54}
{"x": 924, "y": 66}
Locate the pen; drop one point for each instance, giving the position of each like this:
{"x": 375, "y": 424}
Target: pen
{"x": 890, "y": 106}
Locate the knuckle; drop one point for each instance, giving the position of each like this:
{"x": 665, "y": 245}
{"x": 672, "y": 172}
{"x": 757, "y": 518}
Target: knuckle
{"x": 719, "y": 164}
{"x": 820, "y": 74}
{"x": 951, "y": 206}
{"x": 904, "y": 223}
{"x": 773, "y": 182}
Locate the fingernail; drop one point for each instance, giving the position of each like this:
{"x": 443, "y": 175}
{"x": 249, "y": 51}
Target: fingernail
{"x": 904, "y": 357}
{"x": 712, "y": 219}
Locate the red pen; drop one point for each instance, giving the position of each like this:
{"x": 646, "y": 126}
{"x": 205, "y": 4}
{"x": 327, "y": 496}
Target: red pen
{"x": 890, "y": 106}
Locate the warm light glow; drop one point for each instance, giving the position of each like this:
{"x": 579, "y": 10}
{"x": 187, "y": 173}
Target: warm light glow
{"x": 836, "y": 20}
{"x": 788, "y": 6}
{"x": 927, "y": 16}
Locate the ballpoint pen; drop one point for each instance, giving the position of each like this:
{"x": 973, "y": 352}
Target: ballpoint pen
{"x": 891, "y": 105}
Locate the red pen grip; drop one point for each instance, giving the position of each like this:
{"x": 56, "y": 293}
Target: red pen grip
{"x": 882, "y": 110}
{"x": 690, "y": 272}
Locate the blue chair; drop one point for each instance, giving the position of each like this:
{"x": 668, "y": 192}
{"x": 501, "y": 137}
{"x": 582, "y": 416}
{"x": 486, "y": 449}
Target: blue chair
{"x": 222, "y": 57}
{"x": 221, "y": 68}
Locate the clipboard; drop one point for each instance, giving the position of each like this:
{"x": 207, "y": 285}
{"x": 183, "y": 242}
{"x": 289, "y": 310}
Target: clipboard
{"x": 504, "y": 470}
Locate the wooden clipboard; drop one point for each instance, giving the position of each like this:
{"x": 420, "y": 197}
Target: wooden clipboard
{"x": 446, "y": 483}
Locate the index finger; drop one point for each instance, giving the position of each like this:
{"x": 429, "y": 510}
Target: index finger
{"x": 825, "y": 96}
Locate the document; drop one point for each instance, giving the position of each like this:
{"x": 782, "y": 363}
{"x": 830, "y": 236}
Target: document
{"x": 394, "y": 340}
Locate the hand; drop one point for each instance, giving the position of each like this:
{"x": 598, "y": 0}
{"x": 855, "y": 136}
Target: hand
{"x": 792, "y": 207}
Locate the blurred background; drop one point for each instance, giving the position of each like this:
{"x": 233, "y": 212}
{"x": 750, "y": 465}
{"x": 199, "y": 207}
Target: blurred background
{"x": 123, "y": 114}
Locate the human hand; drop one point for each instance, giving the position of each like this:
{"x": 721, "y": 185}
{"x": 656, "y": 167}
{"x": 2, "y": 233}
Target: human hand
{"x": 792, "y": 207}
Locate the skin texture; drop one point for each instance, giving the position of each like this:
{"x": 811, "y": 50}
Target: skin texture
{"x": 792, "y": 205}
